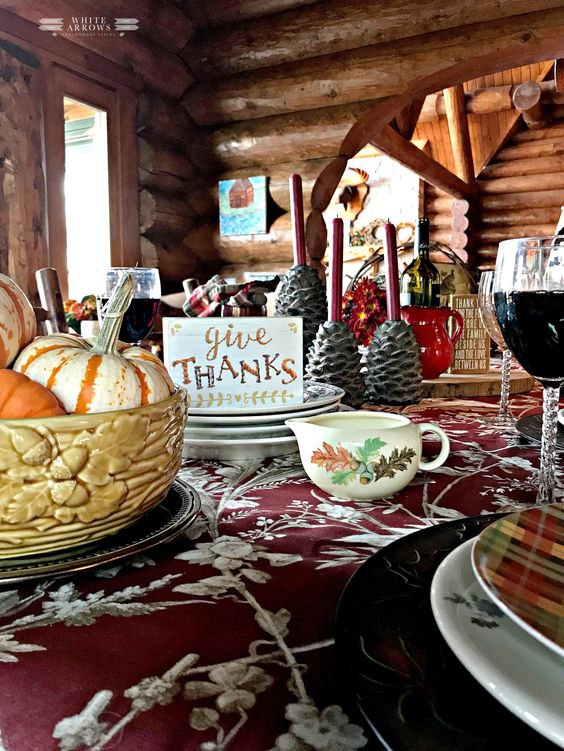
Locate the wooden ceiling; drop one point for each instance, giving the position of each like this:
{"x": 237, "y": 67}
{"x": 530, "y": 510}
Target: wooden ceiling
{"x": 489, "y": 131}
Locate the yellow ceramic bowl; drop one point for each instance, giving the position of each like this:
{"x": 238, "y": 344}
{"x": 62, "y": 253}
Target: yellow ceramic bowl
{"x": 68, "y": 480}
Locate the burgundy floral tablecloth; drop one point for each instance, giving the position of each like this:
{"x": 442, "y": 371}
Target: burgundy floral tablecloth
{"x": 224, "y": 638}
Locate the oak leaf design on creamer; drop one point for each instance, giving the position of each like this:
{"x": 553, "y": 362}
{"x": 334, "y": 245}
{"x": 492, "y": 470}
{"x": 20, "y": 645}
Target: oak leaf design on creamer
{"x": 332, "y": 458}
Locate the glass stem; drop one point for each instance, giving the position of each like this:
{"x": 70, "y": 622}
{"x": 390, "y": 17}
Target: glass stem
{"x": 505, "y": 377}
{"x": 551, "y": 395}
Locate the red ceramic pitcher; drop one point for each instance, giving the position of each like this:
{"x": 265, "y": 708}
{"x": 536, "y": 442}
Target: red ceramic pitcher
{"x": 437, "y": 345}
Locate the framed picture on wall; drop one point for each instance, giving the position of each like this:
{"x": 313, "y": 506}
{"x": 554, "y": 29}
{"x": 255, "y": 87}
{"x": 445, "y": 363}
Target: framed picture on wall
{"x": 242, "y": 206}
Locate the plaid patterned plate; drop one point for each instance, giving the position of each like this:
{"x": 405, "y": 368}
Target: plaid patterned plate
{"x": 519, "y": 562}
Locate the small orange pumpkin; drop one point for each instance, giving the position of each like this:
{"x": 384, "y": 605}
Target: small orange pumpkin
{"x": 17, "y": 321}
{"x": 22, "y": 397}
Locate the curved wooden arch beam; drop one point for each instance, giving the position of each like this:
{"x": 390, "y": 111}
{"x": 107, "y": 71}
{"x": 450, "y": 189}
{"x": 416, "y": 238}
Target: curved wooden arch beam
{"x": 542, "y": 39}
{"x": 361, "y": 133}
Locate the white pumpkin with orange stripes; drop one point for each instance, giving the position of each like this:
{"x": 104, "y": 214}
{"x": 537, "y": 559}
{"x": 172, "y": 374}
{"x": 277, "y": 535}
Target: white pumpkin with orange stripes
{"x": 99, "y": 375}
{"x": 17, "y": 321}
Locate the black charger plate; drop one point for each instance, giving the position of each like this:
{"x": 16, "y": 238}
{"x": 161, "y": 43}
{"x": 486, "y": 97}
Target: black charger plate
{"x": 531, "y": 427}
{"x": 397, "y": 671}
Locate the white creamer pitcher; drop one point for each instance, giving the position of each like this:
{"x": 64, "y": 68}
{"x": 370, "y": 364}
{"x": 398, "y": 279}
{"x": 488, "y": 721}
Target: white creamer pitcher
{"x": 363, "y": 455}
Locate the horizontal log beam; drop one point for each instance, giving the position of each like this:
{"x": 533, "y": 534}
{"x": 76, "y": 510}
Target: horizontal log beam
{"x": 497, "y": 234}
{"x": 285, "y": 138}
{"x": 206, "y": 15}
{"x": 526, "y": 199}
{"x": 444, "y": 204}
{"x": 177, "y": 261}
{"x": 164, "y": 120}
{"x": 515, "y": 217}
{"x": 158, "y": 159}
{"x": 395, "y": 146}
{"x": 534, "y": 166}
{"x": 162, "y": 215}
{"x": 378, "y": 71}
{"x": 487, "y": 100}
{"x": 249, "y": 45}
{"x": 531, "y": 150}
{"x": 555, "y": 131}
{"x": 522, "y": 184}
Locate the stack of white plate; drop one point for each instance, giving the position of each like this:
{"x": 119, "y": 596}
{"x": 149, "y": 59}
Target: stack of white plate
{"x": 256, "y": 432}
{"x": 499, "y": 602}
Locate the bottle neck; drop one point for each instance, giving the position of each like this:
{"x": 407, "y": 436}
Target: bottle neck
{"x": 421, "y": 239}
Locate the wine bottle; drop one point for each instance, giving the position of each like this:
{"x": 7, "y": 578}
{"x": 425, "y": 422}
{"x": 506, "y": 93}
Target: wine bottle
{"x": 420, "y": 281}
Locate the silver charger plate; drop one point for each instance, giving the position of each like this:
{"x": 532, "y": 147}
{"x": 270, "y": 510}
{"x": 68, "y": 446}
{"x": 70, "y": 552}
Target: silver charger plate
{"x": 315, "y": 395}
{"x": 225, "y": 430}
{"x": 176, "y": 512}
{"x": 229, "y": 450}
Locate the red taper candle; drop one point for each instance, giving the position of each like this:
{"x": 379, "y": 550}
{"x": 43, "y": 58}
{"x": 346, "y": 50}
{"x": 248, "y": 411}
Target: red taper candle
{"x": 392, "y": 277}
{"x": 297, "y": 212}
{"x": 335, "y": 305}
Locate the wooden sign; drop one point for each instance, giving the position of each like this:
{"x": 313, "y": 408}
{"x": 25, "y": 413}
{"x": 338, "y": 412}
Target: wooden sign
{"x": 236, "y": 363}
{"x": 472, "y": 351}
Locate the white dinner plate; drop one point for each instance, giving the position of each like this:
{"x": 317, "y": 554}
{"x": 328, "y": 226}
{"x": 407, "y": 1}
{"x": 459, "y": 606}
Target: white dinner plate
{"x": 519, "y": 671}
{"x": 227, "y": 450}
{"x": 261, "y": 419}
{"x": 561, "y": 416}
{"x": 315, "y": 395}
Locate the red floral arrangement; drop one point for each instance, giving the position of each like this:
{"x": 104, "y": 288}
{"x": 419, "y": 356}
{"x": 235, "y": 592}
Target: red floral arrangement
{"x": 364, "y": 309}
{"x": 75, "y": 311}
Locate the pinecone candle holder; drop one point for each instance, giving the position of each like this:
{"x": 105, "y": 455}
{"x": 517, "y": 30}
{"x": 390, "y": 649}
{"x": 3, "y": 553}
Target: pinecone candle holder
{"x": 393, "y": 366}
{"x": 393, "y": 361}
{"x": 334, "y": 357}
{"x": 301, "y": 293}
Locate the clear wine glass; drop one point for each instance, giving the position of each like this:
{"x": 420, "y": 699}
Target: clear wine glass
{"x": 486, "y": 308}
{"x": 529, "y": 302}
{"x": 139, "y": 319}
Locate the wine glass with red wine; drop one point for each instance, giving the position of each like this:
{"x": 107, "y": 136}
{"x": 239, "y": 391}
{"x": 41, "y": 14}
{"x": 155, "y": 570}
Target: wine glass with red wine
{"x": 529, "y": 303}
{"x": 139, "y": 319}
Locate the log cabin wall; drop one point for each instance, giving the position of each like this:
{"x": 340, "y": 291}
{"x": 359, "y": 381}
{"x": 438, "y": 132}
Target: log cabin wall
{"x": 279, "y": 85}
{"x": 22, "y": 205}
{"x": 521, "y": 190}
{"x": 168, "y": 151}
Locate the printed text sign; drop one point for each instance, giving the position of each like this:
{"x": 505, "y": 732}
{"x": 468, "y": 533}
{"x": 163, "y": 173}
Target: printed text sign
{"x": 233, "y": 363}
{"x": 472, "y": 350}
